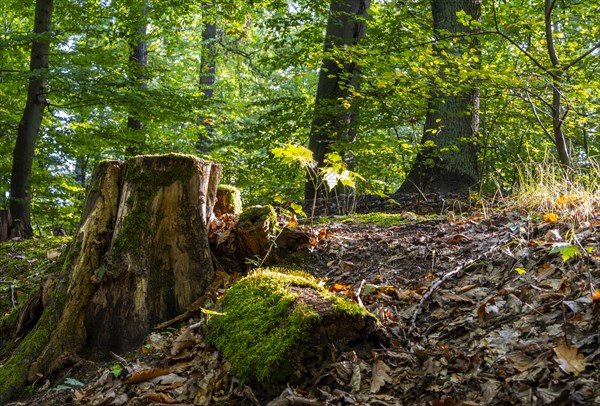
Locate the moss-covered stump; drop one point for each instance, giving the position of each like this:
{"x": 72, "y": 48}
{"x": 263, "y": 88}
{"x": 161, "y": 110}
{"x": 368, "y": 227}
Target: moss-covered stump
{"x": 140, "y": 256}
{"x": 229, "y": 200}
{"x": 254, "y": 228}
{"x": 279, "y": 325}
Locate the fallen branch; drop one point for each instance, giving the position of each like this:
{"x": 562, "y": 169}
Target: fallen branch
{"x": 450, "y": 275}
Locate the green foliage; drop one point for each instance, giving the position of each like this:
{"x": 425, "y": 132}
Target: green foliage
{"x": 268, "y": 56}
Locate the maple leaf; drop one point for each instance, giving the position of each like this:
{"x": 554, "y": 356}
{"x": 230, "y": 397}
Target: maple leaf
{"x": 569, "y": 360}
{"x": 380, "y": 376}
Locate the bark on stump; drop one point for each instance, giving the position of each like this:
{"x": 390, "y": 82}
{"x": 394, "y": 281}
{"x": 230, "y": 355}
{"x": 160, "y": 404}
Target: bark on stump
{"x": 139, "y": 257}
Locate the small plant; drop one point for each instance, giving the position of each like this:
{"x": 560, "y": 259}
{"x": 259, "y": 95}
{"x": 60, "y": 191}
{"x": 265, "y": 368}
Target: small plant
{"x": 334, "y": 173}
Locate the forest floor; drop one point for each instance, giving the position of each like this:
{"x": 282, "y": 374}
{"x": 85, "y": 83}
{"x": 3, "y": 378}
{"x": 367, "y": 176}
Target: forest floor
{"x": 483, "y": 309}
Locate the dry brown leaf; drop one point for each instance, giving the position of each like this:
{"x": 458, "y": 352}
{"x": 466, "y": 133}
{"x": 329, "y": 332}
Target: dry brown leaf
{"x": 569, "y": 360}
{"x": 147, "y": 374}
{"x": 458, "y": 238}
{"x": 161, "y": 398}
{"x": 185, "y": 340}
{"x": 379, "y": 376}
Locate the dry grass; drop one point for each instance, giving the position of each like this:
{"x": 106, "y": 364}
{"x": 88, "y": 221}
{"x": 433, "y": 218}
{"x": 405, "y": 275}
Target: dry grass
{"x": 546, "y": 188}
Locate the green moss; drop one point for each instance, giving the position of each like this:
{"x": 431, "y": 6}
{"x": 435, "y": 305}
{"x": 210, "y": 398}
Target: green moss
{"x": 26, "y": 262}
{"x": 235, "y": 198}
{"x": 375, "y": 218}
{"x": 255, "y": 213}
{"x": 13, "y": 373}
{"x": 262, "y": 329}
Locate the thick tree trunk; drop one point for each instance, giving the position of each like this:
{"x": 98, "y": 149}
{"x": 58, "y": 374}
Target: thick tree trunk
{"x": 334, "y": 120}
{"x": 447, "y": 160}
{"x": 29, "y": 126}
{"x": 140, "y": 257}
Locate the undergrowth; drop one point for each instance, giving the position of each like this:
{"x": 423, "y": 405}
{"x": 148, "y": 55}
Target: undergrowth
{"x": 573, "y": 194}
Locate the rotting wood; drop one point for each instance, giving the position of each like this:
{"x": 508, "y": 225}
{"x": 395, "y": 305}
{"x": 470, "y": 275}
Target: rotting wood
{"x": 139, "y": 257}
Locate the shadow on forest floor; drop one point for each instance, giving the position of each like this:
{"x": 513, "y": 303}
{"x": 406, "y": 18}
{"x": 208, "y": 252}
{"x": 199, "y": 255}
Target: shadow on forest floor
{"x": 482, "y": 309}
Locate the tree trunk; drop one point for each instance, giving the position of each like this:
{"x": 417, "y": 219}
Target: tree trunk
{"x": 334, "y": 119}
{"x": 207, "y": 71}
{"x": 556, "y": 73}
{"x": 4, "y": 225}
{"x": 140, "y": 257}
{"x": 29, "y": 126}
{"x": 447, "y": 159}
{"x": 137, "y": 62}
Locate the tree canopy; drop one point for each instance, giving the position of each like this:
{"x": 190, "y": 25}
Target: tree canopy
{"x": 535, "y": 66}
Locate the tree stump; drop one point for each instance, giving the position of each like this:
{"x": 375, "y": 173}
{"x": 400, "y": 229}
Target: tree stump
{"x": 280, "y": 326}
{"x": 139, "y": 257}
{"x": 254, "y": 228}
{"x": 229, "y": 201}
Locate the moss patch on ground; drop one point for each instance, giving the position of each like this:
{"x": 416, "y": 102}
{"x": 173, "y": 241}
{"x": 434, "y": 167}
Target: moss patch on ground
{"x": 23, "y": 264}
{"x": 263, "y": 329}
{"x": 377, "y": 219}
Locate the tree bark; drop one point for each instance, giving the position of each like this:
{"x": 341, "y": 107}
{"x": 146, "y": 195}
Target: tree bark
{"x": 29, "y": 126}
{"x": 333, "y": 121}
{"x": 137, "y": 61}
{"x": 447, "y": 159}
{"x": 208, "y": 69}
{"x": 140, "y": 257}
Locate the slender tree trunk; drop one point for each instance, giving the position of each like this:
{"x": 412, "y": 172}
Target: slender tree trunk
{"x": 557, "y": 74}
{"x": 137, "y": 62}
{"x": 207, "y": 72}
{"x": 29, "y": 126}
{"x": 447, "y": 160}
{"x": 334, "y": 118}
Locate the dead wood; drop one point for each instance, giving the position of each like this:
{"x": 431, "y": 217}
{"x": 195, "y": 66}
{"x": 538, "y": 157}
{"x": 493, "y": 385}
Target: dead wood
{"x": 140, "y": 256}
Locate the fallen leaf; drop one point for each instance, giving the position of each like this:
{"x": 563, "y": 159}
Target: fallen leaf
{"x": 338, "y": 287}
{"x": 569, "y": 360}
{"x": 52, "y": 254}
{"x": 293, "y": 220}
{"x": 458, "y": 238}
{"x": 162, "y": 398}
{"x": 379, "y": 376}
{"x": 147, "y": 374}
{"x": 552, "y": 236}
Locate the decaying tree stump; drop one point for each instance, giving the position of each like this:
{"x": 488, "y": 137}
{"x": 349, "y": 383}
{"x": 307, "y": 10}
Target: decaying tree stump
{"x": 228, "y": 201}
{"x": 140, "y": 256}
{"x": 279, "y": 326}
{"x": 254, "y": 228}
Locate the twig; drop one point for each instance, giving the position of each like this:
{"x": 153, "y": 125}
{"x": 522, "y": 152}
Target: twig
{"x": 358, "y": 292}
{"x": 119, "y": 358}
{"x": 450, "y": 275}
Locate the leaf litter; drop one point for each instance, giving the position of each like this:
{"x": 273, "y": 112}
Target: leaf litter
{"x": 482, "y": 310}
